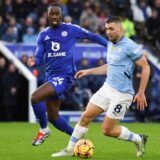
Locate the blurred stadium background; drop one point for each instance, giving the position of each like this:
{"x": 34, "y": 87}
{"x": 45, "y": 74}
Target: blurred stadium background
{"x": 20, "y": 23}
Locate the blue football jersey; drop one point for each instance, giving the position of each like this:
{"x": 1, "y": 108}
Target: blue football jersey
{"x": 121, "y": 58}
{"x": 55, "y": 48}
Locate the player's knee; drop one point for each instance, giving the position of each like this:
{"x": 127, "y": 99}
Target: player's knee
{"x": 52, "y": 117}
{"x": 107, "y": 131}
{"x": 34, "y": 98}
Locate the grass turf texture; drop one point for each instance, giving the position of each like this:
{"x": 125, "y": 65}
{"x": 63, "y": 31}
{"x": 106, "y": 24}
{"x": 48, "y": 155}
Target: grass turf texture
{"x": 15, "y": 143}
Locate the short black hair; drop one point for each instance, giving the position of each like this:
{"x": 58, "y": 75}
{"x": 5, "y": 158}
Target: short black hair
{"x": 53, "y": 5}
{"x": 114, "y": 19}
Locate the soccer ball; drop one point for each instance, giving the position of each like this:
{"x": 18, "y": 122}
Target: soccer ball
{"x": 84, "y": 148}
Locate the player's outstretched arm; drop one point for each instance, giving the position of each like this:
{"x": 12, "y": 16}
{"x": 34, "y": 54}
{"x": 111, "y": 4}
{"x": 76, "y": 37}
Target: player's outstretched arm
{"x": 31, "y": 61}
{"x": 102, "y": 70}
{"x": 81, "y": 33}
{"x": 140, "y": 98}
{"x": 97, "y": 39}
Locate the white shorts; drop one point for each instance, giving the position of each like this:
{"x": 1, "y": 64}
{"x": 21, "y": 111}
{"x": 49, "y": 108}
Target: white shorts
{"x": 113, "y": 102}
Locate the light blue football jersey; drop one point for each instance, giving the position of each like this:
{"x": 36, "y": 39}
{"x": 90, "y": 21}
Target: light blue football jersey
{"x": 121, "y": 58}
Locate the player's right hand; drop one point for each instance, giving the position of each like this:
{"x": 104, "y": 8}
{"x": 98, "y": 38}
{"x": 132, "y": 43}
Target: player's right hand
{"x": 31, "y": 61}
{"x": 140, "y": 99}
{"x": 82, "y": 73}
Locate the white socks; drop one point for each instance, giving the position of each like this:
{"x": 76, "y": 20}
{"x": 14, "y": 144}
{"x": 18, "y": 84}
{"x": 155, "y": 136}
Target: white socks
{"x": 80, "y": 131}
{"x": 44, "y": 130}
{"x": 77, "y": 134}
{"x": 129, "y": 136}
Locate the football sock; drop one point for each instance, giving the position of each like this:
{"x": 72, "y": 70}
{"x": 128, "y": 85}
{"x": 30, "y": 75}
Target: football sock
{"x": 129, "y": 136}
{"x": 77, "y": 134}
{"x": 40, "y": 113}
{"x": 61, "y": 124}
{"x": 44, "y": 130}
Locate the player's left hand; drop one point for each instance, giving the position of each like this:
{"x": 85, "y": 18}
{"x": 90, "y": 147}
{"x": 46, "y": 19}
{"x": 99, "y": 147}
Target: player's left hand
{"x": 140, "y": 98}
{"x": 31, "y": 61}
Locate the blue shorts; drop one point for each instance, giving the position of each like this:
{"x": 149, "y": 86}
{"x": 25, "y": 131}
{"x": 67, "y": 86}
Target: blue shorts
{"x": 61, "y": 84}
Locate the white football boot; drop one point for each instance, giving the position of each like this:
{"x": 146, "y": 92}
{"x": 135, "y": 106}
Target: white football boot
{"x": 62, "y": 153}
{"x": 141, "y": 146}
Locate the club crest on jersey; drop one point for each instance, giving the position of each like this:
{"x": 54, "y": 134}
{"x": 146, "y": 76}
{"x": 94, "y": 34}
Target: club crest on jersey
{"x": 55, "y": 46}
{"x": 116, "y": 50}
{"x": 64, "y": 33}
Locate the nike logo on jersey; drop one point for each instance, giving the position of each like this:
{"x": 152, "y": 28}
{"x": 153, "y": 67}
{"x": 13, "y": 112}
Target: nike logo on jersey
{"x": 46, "y": 38}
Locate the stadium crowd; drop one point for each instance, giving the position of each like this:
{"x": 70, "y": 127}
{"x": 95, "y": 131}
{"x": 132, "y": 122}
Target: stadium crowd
{"x": 22, "y": 20}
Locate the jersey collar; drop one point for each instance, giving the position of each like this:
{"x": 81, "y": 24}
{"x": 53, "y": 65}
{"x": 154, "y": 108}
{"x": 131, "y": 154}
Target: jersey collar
{"x": 120, "y": 40}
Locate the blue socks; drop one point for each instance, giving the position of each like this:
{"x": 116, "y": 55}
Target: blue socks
{"x": 40, "y": 112}
{"x": 61, "y": 124}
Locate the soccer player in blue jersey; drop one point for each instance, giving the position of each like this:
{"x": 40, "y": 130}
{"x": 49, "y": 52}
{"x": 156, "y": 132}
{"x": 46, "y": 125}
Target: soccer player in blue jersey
{"x": 116, "y": 95}
{"x": 55, "y": 48}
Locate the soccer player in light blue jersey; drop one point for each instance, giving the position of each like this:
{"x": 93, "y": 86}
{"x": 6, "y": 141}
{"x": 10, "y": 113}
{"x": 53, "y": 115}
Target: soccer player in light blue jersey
{"x": 55, "y": 48}
{"x": 116, "y": 95}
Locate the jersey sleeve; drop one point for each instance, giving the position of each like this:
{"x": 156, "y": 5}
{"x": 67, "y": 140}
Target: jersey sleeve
{"x": 81, "y": 33}
{"x": 39, "y": 50}
{"x": 135, "y": 51}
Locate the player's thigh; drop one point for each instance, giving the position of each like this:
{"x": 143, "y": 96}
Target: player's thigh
{"x": 118, "y": 110}
{"x": 43, "y": 92}
{"x": 90, "y": 113}
{"x": 119, "y": 105}
{"x": 53, "y": 107}
{"x": 101, "y": 98}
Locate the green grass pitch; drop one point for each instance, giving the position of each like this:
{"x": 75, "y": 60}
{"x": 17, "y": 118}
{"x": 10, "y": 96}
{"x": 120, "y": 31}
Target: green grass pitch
{"x": 15, "y": 143}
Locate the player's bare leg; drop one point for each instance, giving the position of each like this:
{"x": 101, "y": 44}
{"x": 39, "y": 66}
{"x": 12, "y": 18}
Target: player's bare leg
{"x": 41, "y": 93}
{"x": 110, "y": 128}
{"x": 80, "y": 129}
{"x": 55, "y": 119}
{"x": 53, "y": 108}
